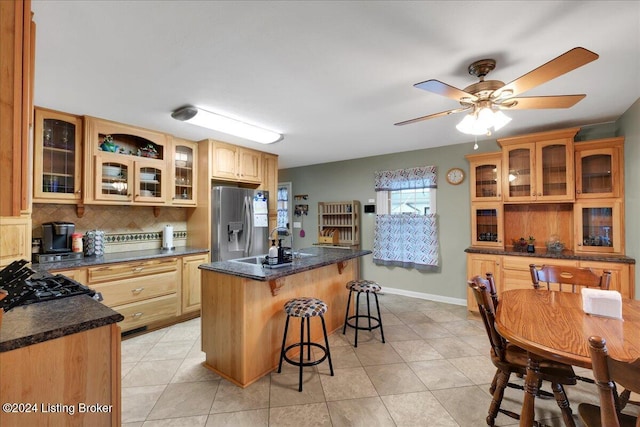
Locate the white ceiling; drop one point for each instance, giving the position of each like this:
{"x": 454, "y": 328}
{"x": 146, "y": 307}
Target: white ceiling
{"x": 332, "y": 76}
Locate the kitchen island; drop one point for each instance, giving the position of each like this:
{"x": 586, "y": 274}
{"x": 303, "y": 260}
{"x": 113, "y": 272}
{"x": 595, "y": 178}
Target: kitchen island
{"x": 242, "y": 308}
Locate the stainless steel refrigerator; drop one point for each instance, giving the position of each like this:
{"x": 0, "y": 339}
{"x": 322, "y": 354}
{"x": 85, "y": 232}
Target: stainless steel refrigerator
{"x": 240, "y": 223}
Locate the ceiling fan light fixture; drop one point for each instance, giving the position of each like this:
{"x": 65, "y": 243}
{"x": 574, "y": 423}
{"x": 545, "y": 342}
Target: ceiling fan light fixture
{"x": 203, "y": 118}
{"x": 480, "y": 122}
{"x": 471, "y": 126}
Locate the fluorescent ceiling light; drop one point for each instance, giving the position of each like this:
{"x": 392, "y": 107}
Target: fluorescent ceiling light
{"x": 209, "y": 120}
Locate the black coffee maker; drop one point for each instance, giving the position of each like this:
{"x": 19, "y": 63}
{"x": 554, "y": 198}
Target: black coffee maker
{"x": 56, "y": 237}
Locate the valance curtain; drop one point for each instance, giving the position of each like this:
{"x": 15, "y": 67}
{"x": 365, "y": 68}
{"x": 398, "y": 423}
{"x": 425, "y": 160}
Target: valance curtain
{"x": 406, "y": 240}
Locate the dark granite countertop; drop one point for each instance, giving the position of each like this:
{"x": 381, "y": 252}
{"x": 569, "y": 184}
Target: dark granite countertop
{"x": 542, "y": 253}
{"x": 43, "y": 321}
{"x": 115, "y": 258}
{"x": 321, "y": 257}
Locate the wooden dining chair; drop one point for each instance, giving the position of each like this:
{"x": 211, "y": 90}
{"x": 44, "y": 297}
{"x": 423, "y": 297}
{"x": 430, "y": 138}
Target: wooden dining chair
{"x": 509, "y": 359}
{"x": 608, "y": 372}
{"x": 556, "y": 277}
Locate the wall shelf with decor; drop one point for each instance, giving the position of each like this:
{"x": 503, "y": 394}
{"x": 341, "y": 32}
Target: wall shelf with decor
{"x": 341, "y": 219}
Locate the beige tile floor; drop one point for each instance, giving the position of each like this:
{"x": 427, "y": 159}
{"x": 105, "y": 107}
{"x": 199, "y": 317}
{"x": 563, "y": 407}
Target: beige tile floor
{"x": 434, "y": 370}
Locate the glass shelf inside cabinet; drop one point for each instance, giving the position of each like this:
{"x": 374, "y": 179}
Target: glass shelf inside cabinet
{"x": 130, "y": 145}
{"x": 519, "y": 172}
{"x": 596, "y": 174}
{"x": 184, "y": 173}
{"x": 597, "y": 226}
{"x": 486, "y": 181}
{"x": 115, "y": 178}
{"x": 58, "y": 156}
{"x": 486, "y": 225}
{"x": 150, "y": 182}
{"x": 554, "y": 170}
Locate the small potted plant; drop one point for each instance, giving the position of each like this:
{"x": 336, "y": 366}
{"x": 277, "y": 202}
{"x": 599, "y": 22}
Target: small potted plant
{"x": 530, "y": 245}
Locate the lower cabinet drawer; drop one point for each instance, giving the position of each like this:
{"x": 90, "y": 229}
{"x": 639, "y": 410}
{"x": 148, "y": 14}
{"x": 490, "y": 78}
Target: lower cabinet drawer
{"x": 148, "y": 311}
{"x": 127, "y": 291}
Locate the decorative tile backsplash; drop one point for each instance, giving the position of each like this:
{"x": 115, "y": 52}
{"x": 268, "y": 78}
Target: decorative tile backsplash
{"x": 126, "y": 227}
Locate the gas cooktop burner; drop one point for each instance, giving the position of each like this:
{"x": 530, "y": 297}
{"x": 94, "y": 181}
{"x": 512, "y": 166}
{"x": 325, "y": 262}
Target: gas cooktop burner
{"x": 37, "y": 288}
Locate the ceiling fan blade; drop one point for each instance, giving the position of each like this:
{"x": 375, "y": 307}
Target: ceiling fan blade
{"x": 432, "y": 116}
{"x": 568, "y": 61}
{"x": 444, "y": 89}
{"x": 541, "y": 102}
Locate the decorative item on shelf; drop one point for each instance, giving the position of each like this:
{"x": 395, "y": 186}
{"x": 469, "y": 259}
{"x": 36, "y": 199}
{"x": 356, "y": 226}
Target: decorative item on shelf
{"x": 108, "y": 145}
{"x": 554, "y": 245}
{"x": 530, "y": 246}
{"x": 520, "y": 245}
{"x": 149, "y": 151}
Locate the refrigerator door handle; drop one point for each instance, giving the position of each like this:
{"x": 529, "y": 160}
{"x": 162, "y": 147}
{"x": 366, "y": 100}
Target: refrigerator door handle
{"x": 248, "y": 227}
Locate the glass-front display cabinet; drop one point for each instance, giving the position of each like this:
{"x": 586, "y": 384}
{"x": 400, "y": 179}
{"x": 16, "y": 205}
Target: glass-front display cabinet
{"x": 487, "y": 225}
{"x": 57, "y": 165}
{"x": 599, "y": 170}
{"x": 518, "y": 182}
{"x": 539, "y": 167}
{"x": 485, "y": 172}
{"x": 129, "y": 164}
{"x": 598, "y": 226}
{"x": 183, "y": 164}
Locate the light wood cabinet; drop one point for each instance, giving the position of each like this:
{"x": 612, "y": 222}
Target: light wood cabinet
{"x": 130, "y": 170}
{"x": 621, "y": 275}
{"x": 81, "y": 368}
{"x": 341, "y": 218}
{"x": 485, "y": 171}
{"x": 77, "y": 274}
{"x": 184, "y": 168}
{"x": 57, "y": 157}
{"x": 15, "y": 239}
{"x": 480, "y": 265}
{"x": 143, "y": 291}
{"x": 539, "y": 167}
{"x": 235, "y": 163}
{"x": 517, "y": 275}
{"x": 17, "y": 56}
{"x": 191, "y": 282}
{"x": 487, "y": 224}
{"x": 599, "y": 168}
{"x": 598, "y": 226}
{"x": 512, "y": 272}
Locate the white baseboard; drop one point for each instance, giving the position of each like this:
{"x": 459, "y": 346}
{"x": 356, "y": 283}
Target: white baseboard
{"x": 421, "y": 295}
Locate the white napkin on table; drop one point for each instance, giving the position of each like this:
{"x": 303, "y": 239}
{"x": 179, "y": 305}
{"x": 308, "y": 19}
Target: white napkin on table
{"x": 602, "y": 303}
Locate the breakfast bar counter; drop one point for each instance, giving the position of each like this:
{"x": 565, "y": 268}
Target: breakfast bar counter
{"x": 242, "y": 307}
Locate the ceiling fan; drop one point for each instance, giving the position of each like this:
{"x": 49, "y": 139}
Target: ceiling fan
{"x": 487, "y": 98}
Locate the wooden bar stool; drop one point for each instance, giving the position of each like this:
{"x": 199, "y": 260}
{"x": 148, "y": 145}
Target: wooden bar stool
{"x": 368, "y": 287}
{"x": 305, "y": 308}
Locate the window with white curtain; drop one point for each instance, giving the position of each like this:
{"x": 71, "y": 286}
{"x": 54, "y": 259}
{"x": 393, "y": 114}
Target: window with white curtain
{"x": 406, "y": 231}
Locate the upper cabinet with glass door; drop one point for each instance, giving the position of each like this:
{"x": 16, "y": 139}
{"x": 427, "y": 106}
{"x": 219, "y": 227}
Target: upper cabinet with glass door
{"x": 124, "y": 164}
{"x": 184, "y": 161}
{"x": 485, "y": 171}
{"x": 539, "y": 167}
{"x": 599, "y": 168}
{"x": 57, "y": 157}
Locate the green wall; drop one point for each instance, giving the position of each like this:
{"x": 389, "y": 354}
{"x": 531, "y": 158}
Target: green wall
{"x": 353, "y": 180}
{"x": 628, "y": 125}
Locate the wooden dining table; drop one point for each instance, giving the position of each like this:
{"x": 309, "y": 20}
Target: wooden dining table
{"x": 552, "y": 325}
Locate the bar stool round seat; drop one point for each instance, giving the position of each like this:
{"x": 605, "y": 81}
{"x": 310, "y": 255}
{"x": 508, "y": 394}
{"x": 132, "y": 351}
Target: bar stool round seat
{"x": 305, "y": 308}
{"x": 368, "y": 287}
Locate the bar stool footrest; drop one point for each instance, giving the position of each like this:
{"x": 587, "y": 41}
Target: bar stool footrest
{"x": 367, "y": 318}
{"x": 309, "y": 363}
